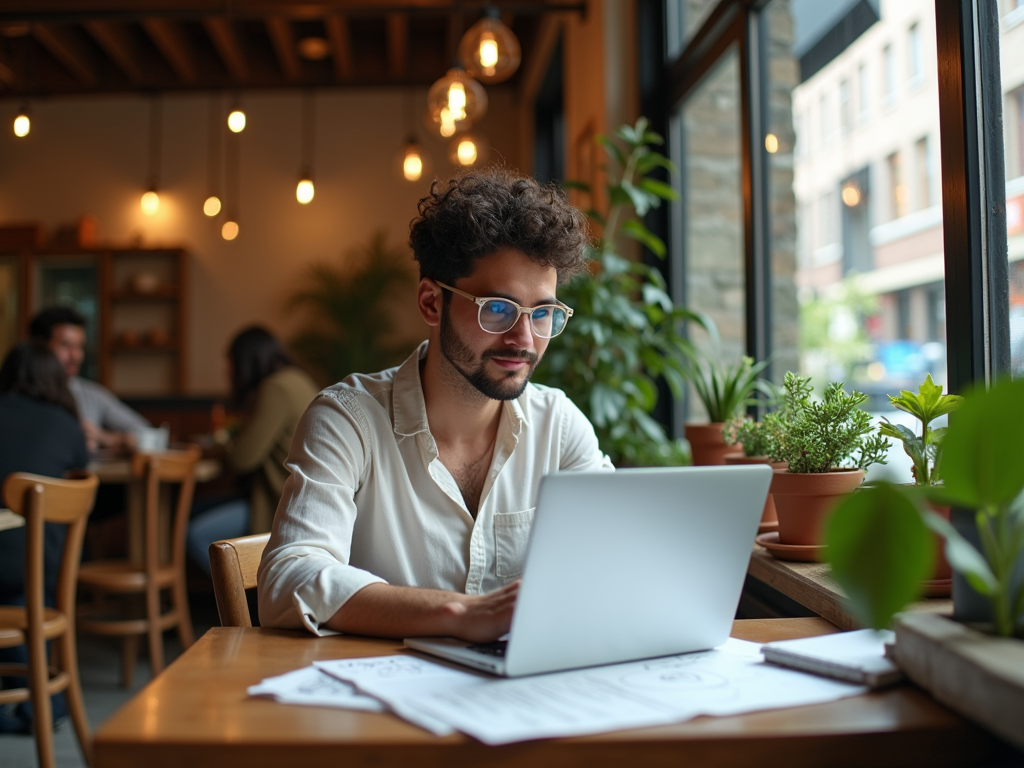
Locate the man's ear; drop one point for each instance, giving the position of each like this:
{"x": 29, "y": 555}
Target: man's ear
{"x": 428, "y": 299}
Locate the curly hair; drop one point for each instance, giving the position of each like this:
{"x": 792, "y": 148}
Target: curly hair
{"x": 480, "y": 212}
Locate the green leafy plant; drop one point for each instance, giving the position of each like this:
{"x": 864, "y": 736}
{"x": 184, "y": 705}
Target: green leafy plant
{"x": 982, "y": 466}
{"x": 724, "y": 390}
{"x": 754, "y": 436}
{"x": 815, "y": 436}
{"x": 927, "y": 404}
{"x": 350, "y": 323}
{"x": 626, "y": 333}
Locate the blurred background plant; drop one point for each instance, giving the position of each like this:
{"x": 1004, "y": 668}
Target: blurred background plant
{"x": 626, "y": 333}
{"x": 349, "y": 311}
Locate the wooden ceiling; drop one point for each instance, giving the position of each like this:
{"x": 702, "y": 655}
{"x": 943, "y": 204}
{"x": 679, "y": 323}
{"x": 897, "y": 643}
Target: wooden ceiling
{"x": 53, "y": 47}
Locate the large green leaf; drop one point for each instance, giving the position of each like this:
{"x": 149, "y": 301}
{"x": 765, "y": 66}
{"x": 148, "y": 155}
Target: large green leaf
{"x": 983, "y": 451}
{"x": 962, "y": 555}
{"x": 880, "y": 551}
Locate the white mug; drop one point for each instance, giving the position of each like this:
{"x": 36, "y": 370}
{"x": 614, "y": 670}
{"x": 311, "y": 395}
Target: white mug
{"x": 152, "y": 439}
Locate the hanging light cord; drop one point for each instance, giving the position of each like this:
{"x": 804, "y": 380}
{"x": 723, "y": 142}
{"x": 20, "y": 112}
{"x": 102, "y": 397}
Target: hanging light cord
{"x": 213, "y": 144}
{"x": 232, "y": 168}
{"x": 155, "y": 113}
{"x": 308, "y": 131}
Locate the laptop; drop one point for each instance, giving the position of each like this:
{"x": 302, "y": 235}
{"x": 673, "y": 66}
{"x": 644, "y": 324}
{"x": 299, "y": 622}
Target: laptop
{"x": 625, "y": 565}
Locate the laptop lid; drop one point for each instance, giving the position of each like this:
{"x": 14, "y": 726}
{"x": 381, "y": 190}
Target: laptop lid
{"x": 634, "y": 564}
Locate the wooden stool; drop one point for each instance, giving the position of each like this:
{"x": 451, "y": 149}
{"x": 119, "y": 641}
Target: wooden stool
{"x": 45, "y": 499}
{"x": 162, "y": 566}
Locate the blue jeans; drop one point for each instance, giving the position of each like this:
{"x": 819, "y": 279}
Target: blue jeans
{"x": 225, "y": 521}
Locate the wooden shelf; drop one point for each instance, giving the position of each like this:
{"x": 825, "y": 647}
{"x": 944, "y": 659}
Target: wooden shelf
{"x": 162, "y": 294}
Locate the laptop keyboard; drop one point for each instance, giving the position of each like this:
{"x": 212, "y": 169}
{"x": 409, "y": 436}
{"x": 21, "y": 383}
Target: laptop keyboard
{"x": 494, "y": 648}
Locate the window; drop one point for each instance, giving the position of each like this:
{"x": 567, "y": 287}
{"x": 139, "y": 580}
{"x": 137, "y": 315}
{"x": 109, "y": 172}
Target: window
{"x": 924, "y": 173}
{"x": 914, "y": 53}
{"x": 844, "y": 106}
{"x": 825, "y": 111}
{"x": 897, "y": 192}
{"x": 863, "y": 93}
{"x": 888, "y": 73}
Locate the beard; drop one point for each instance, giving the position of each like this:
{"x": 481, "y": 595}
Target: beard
{"x": 506, "y": 387}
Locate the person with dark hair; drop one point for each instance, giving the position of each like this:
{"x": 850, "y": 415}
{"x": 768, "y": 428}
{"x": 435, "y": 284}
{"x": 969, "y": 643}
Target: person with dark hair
{"x": 41, "y": 435}
{"x": 108, "y": 423}
{"x": 274, "y": 392}
{"x": 411, "y": 492}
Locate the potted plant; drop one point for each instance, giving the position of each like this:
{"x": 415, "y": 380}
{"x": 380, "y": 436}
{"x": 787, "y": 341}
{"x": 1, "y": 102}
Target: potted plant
{"x": 827, "y": 444}
{"x": 724, "y": 390}
{"x": 626, "y": 333}
{"x": 876, "y": 541}
{"x": 753, "y": 441}
{"x": 925, "y": 450}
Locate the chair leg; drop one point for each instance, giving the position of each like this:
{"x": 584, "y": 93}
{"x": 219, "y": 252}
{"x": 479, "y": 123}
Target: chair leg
{"x": 156, "y": 637}
{"x": 69, "y": 653}
{"x": 129, "y": 654}
{"x": 42, "y": 714}
{"x": 180, "y": 597}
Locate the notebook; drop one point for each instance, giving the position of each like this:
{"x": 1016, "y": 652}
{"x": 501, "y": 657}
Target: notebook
{"x": 858, "y": 657}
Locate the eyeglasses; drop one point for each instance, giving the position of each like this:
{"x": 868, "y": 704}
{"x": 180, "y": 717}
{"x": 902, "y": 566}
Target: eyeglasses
{"x": 499, "y": 315}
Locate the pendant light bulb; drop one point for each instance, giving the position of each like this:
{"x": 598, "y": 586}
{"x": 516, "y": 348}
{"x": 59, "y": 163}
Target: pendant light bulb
{"x": 304, "y": 191}
{"x": 489, "y": 50}
{"x": 229, "y": 230}
{"x": 455, "y": 102}
{"x": 467, "y": 150}
{"x": 212, "y": 206}
{"x": 150, "y": 202}
{"x": 22, "y": 125}
{"x": 447, "y": 123}
{"x": 236, "y": 120}
{"x": 413, "y": 163}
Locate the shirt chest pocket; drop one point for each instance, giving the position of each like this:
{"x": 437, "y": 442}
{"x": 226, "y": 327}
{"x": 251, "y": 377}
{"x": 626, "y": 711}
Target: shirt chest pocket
{"x": 511, "y": 533}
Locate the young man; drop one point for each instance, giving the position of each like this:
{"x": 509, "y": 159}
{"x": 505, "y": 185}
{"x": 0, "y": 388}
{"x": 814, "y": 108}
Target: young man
{"x": 106, "y": 421}
{"x": 410, "y": 498}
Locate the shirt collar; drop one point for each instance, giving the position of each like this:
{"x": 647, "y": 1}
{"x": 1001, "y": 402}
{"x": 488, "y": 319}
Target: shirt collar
{"x": 411, "y": 410}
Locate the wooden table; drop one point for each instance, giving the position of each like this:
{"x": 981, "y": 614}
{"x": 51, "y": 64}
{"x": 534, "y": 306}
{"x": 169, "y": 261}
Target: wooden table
{"x": 812, "y": 585}
{"x": 197, "y": 714}
{"x": 120, "y": 470}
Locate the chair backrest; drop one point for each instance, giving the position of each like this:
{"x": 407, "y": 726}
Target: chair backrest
{"x": 49, "y": 499}
{"x": 159, "y": 470}
{"x": 233, "y": 565}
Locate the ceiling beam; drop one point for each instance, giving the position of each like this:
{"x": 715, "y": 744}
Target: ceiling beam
{"x": 172, "y": 44}
{"x": 226, "y": 42}
{"x": 67, "y": 50}
{"x": 113, "y": 38}
{"x": 341, "y": 46}
{"x": 7, "y": 75}
{"x": 398, "y": 44}
{"x": 280, "y": 31}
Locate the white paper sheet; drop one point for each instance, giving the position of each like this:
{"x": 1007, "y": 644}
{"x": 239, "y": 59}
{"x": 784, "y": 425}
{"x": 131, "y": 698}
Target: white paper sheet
{"x": 729, "y": 680}
{"x": 309, "y": 686}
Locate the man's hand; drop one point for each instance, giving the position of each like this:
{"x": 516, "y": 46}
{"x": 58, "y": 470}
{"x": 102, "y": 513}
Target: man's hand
{"x": 96, "y": 438}
{"x": 382, "y": 610}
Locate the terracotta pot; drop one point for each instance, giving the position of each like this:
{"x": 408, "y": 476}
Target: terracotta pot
{"x": 804, "y": 501}
{"x": 768, "y": 515}
{"x": 707, "y": 444}
{"x": 942, "y": 571}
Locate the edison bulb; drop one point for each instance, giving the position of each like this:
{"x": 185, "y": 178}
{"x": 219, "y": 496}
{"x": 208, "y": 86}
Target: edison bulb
{"x": 771, "y": 143}
{"x": 22, "y": 125}
{"x": 457, "y": 101}
{"x": 236, "y": 121}
{"x": 447, "y": 123}
{"x": 412, "y": 166}
{"x": 466, "y": 152}
{"x": 150, "y": 202}
{"x": 488, "y": 52}
{"x": 212, "y": 206}
{"x": 304, "y": 191}
{"x": 229, "y": 231}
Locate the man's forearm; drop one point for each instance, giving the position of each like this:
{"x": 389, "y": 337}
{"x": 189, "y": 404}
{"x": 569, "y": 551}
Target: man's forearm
{"x": 382, "y": 610}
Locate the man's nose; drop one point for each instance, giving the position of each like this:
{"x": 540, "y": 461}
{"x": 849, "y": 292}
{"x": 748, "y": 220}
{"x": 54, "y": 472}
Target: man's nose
{"x": 521, "y": 334}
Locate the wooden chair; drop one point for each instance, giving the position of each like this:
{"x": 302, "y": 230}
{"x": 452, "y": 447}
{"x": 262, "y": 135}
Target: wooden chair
{"x": 162, "y": 567}
{"x": 233, "y": 565}
{"x": 45, "y": 499}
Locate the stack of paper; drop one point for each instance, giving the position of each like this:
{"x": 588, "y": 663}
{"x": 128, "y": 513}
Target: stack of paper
{"x": 728, "y": 680}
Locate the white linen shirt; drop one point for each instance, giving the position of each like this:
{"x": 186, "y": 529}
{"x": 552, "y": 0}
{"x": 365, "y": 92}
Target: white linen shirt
{"x": 368, "y": 501}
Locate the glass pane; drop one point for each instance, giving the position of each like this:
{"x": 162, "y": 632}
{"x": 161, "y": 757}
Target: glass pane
{"x": 856, "y": 220}
{"x": 682, "y": 20}
{"x": 72, "y": 283}
{"x": 8, "y": 304}
{"x": 1011, "y": 28}
{"x": 709, "y": 149}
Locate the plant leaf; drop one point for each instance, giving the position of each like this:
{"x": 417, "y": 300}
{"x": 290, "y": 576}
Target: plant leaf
{"x": 963, "y": 557}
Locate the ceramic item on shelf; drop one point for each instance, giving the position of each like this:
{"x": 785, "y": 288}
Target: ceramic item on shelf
{"x": 803, "y": 501}
{"x": 769, "y": 519}
{"x": 707, "y": 444}
{"x": 145, "y": 282}
{"x": 803, "y": 553}
{"x": 157, "y": 337}
{"x": 128, "y": 338}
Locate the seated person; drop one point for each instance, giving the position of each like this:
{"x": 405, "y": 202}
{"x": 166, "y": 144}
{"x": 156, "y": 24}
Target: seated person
{"x": 411, "y": 493}
{"x": 108, "y": 423}
{"x": 41, "y": 434}
{"x": 275, "y": 393}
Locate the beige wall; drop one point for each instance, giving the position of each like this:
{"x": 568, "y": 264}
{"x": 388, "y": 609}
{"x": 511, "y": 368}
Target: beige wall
{"x": 88, "y": 156}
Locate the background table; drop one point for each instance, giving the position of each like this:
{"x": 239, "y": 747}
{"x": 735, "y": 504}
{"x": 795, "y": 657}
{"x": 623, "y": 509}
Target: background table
{"x": 197, "y": 714}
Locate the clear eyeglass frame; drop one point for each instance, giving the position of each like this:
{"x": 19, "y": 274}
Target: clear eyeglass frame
{"x": 481, "y": 301}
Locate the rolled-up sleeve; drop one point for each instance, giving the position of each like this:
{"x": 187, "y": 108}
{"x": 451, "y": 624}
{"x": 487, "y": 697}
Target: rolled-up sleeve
{"x": 305, "y": 575}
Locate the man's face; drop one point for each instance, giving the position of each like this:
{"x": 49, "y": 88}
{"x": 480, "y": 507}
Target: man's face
{"x": 67, "y": 342}
{"x": 497, "y": 365}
